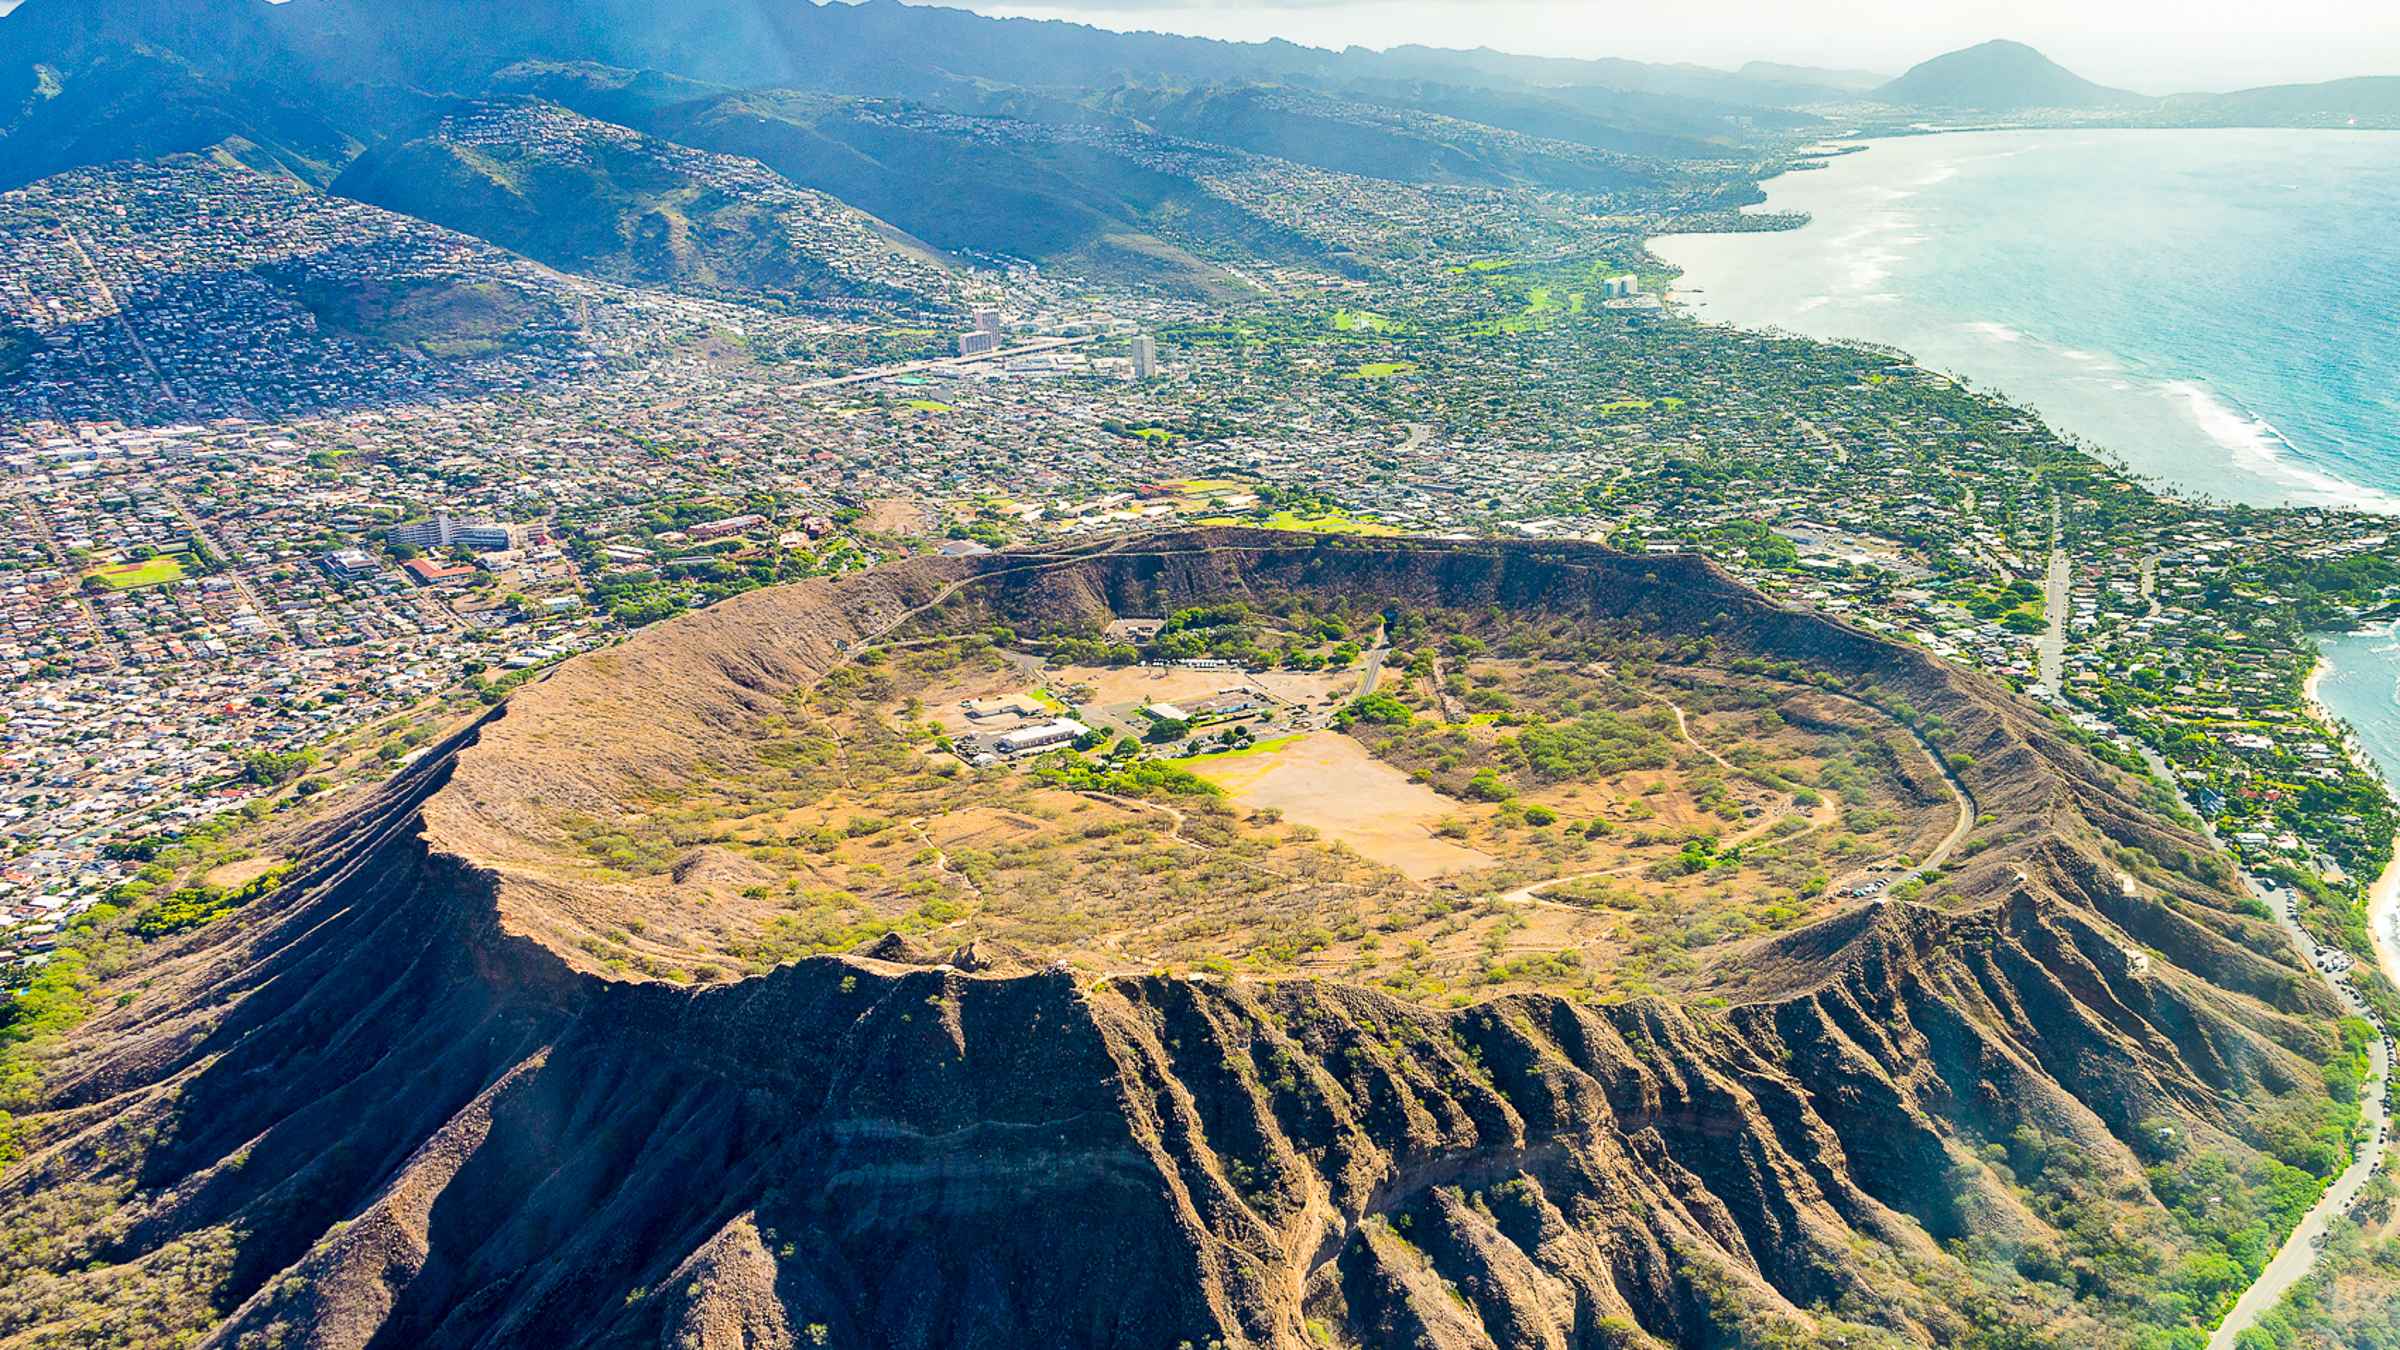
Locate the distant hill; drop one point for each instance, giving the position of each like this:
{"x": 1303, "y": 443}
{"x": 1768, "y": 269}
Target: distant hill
{"x": 1486, "y": 66}
{"x": 90, "y": 81}
{"x": 592, "y": 197}
{"x": 1375, "y": 140}
{"x": 1841, "y": 81}
{"x": 2367, "y": 102}
{"x": 1101, "y": 203}
{"x": 1662, "y": 126}
{"x": 2000, "y": 76}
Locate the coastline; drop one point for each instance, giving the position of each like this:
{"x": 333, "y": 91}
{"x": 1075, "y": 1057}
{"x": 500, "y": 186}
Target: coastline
{"x": 2296, "y": 1259}
{"x": 2383, "y": 895}
{"x": 2195, "y": 421}
{"x": 2187, "y": 437}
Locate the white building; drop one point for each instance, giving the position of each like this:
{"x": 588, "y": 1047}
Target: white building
{"x": 976, "y": 342}
{"x": 1061, "y": 732}
{"x": 479, "y": 536}
{"x": 1145, "y": 357}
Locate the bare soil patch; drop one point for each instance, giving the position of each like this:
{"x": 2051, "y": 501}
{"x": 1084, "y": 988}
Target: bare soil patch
{"x": 1330, "y": 783}
{"x": 899, "y": 515}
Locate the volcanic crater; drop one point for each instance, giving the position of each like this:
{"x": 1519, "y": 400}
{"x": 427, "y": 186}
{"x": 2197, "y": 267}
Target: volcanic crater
{"x": 549, "y": 1043}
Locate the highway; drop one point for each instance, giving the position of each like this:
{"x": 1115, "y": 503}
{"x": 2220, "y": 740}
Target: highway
{"x": 949, "y": 364}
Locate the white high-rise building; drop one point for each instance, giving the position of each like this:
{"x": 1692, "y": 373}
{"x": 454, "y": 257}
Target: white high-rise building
{"x": 1145, "y": 357}
{"x": 987, "y": 320}
{"x": 480, "y": 536}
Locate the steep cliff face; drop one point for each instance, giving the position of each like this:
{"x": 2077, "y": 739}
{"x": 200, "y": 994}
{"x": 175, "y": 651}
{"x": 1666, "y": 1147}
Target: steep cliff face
{"x": 386, "y": 1108}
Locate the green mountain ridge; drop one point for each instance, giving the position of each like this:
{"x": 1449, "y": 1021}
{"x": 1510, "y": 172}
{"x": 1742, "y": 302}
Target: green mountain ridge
{"x": 593, "y": 197}
{"x": 995, "y": 186}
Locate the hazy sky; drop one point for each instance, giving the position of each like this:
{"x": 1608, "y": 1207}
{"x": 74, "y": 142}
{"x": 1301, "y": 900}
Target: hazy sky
{"x": 2157, "y": 46}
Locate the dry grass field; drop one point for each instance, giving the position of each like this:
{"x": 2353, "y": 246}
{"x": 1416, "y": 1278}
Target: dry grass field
{"x": 1479, "y": 825}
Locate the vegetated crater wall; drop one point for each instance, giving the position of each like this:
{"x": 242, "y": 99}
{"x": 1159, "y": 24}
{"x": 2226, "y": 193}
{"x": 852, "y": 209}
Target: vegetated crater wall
{"x": 405, "y": 1114}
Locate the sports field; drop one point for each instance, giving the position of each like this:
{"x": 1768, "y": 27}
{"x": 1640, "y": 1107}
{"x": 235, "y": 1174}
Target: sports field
{"x": 135, "y": 575}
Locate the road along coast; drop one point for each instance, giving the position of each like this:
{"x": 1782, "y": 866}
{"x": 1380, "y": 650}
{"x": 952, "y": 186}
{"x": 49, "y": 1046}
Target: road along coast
{"x": 2299, "y": 1253}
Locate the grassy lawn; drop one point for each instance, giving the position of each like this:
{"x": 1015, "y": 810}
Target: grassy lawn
{"x": 1362, "y": 321}
{"x": 1382, "y": 370}
{"x": 133, "y": 576}
{"x": 926, "y": 405}
{"x": 1339, "y": 522}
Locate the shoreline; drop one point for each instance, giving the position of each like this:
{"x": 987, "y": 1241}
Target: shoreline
{"x": 2267, "y": 469}
{"x": 2383, "y": 894}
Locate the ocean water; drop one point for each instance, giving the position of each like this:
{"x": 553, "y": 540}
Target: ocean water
{"x": 2217, "y": 310}
{"x": 2361, "y": 686}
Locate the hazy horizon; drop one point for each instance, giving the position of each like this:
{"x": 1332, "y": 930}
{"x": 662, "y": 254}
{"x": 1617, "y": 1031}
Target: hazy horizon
{"x": 2153, "y": 46}
{"x": 2150, "y": 46}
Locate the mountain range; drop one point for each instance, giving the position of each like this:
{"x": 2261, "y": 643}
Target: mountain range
{"x": 1053, "y": 142}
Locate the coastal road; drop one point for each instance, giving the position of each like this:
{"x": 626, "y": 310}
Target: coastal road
{"x": 2298, "y": 1255}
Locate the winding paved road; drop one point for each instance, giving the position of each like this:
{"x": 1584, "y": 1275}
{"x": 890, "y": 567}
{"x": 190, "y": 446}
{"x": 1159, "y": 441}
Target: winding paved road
{"x": 2298, "y": 1255}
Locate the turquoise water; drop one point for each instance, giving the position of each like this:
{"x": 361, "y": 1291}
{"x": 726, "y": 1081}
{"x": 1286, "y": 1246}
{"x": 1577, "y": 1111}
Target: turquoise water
{"x": 2218, "y": 310}
{"x": 2361, "y": 686}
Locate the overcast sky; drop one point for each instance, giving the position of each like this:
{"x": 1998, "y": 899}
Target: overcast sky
{"x": 2156, "y": 46}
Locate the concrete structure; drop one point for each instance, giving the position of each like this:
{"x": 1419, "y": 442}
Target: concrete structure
{"x": 480, "y": 536}
{"x": 976, "y": 342}
{"x": 726, "y": 528}
{"x": 1145, "y": 357}
{"x": 426, "y": 572}
{"x": 1061, "y": 732}
{"x": 350, "y": 564}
